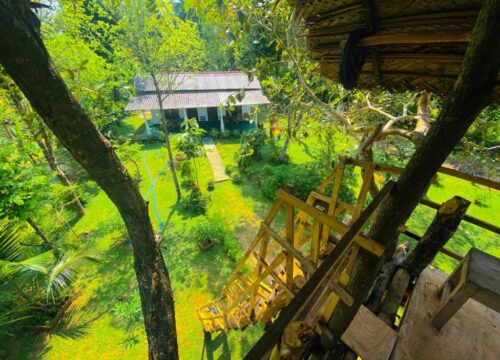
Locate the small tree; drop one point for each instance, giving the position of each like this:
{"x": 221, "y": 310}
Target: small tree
{"x": 160, "y": 46}
{"x": 190, "y": 143}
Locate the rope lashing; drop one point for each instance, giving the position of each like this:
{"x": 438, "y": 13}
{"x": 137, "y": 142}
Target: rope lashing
{"x": 352, "y": 59}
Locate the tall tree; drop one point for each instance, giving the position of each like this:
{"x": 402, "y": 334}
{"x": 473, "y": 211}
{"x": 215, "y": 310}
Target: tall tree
{"x": 160, "y": 46}
{"x": 26, "y": 60}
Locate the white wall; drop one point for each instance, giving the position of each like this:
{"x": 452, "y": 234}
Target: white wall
{"x": 245, "y": 109}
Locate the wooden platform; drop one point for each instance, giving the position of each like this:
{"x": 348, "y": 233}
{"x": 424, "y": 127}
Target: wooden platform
{"x": 472, "y": 333}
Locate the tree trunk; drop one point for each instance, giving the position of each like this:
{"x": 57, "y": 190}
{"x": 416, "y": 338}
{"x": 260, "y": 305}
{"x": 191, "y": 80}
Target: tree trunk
{"x": 40, "y": 233}
{"x": 25, "y": 58}
{"x": 444, "y": 225}
{"x": 365, "y": 152}
{"x": 472, "y": 92}
{"x": 284, "y": 148}
{"x": 167, "y": 138}
{"x": 50, "y": 156}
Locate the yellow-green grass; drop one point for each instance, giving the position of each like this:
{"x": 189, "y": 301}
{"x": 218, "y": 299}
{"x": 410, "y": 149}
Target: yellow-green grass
{"x": 198, "y": 276}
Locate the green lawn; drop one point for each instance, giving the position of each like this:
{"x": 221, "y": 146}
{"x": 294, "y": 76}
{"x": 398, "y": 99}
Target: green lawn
{"x": 111, "y": 291}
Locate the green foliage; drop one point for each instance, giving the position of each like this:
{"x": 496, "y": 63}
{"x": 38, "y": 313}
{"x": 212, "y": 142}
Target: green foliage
{"x": 275, "y": 157}
{"x": 207, "y": 230}
{"x": 187, "y": 172}
{"x": 303, "y": 177}
{"x": 214, "y": 133}
{"x": 251, "y": 143}
{"x": 189, "y": 142}
{"x": 225, "y": 134}
{"x": 196, "y": 202}
{"x": 24, "y": 188}
{"x": 34, "y": 277}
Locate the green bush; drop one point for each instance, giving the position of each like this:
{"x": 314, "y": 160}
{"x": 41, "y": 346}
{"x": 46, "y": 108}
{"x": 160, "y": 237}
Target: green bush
{"x": 303, "y": 177}
{"x": 214, "y": 133}
{"x": 230, "y": 170}
{"x": 196, "y": 201}
{"x": 214, "y": 229}
{"x": 236, "y": 178}
{"x": 205, "y": 231}
{"x": 187, "y": 171}
{"x": 225, "y": 134}
{"x": 211, "y": 185}
{"x": 236, "y": 133}
{"x": 275, "y": 157}
{"x": 251, "y": 144}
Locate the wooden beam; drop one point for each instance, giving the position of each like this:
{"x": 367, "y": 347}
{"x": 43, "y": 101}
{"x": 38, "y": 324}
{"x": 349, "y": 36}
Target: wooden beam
{"x": 442, "y": 169}
{"x": 275, "y": 276}
{"x": 467, "y": 218}
{"x": 306, "y": 294}
{"x": 308, "y": 264}
{"x": 329, "y": 221}
{"x": 420, "y": 39}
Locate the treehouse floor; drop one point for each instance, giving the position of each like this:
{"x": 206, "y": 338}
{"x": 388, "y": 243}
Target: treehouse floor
{"x": 472, "y": 333}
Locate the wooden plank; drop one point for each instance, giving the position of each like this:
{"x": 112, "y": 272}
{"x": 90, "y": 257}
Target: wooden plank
{"x": 275, "y": 276}
{"x": 329, "y": 221}
{"x": 369, "y": 337}
{"x": 290, "y": 239}
{"x": 308, "y": 264}
{"x": 468, "y": 218}
{"x": 342, "y": 293}
{"x": 308, "y": 291}
{"x": 443, "y": 169}
{"x": 395, "y": 39}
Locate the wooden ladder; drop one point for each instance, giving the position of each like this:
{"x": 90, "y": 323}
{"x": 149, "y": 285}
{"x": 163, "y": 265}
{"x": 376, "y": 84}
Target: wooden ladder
{"x": 285, "y": 254}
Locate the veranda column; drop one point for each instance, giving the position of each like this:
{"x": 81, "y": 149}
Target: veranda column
{"x": 221, "y": 118}
{"x": 148, "y": 130}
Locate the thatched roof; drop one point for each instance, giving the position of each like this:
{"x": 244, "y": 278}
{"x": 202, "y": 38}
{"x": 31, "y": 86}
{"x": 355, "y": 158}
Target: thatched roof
{"x": 399, "y": 44}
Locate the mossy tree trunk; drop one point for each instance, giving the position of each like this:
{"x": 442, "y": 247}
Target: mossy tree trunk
{"x": 25, "y": 58}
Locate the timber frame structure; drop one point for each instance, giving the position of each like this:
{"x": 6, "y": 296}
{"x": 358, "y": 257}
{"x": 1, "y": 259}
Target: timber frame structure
{"x": 313, "y": 247}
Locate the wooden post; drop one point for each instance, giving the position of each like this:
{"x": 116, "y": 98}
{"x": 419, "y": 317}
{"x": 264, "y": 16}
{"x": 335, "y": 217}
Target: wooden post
{"x": 442, "y": 228}
{"x": 290, "y": 238}
{"x": 472, "y": 92}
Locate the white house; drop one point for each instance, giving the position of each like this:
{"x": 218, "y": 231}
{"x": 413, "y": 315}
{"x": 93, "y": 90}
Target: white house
{"x": 203, "y": 95}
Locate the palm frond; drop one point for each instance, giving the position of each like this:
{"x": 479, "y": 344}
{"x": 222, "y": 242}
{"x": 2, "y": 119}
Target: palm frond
{"x": 11, "y": 254}
{"x": 10, "y": 248}
{"x": 70, "y": 267}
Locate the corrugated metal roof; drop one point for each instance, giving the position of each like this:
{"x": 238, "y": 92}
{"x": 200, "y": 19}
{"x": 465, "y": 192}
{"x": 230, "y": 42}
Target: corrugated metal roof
{"x": 188, "y": 100}
{"x": 206, "y": 80}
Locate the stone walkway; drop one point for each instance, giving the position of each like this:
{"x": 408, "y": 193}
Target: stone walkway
{"x": 215, "y": 161}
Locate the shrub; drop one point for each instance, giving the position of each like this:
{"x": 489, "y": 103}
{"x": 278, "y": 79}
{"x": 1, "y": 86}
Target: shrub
{"x": 275, "y": 157}
{"x": 304, "y": 178}
{"x": 225, "y": 134}
{"x": 211, "y": 185}
{"x": 236, "y": 178}
{"x": 236, "y": 133}
{"x": 196, "y": 201}
{"x": 214, "y": 229}
{"x": 251, "y": 144}
{"x": 230, "y": 170}
{"x": 214, "y": 133}
{"x": 205, "y": 231}
{"x": 187, "y": 170}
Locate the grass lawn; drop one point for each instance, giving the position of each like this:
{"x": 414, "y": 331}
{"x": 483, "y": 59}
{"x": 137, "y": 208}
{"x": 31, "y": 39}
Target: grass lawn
{"x": 108, "y": 311}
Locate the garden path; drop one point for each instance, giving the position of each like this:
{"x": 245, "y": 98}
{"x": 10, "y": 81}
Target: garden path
{"x": 214, "y": 159}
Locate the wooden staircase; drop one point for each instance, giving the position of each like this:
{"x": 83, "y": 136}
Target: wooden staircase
{"x": 291, "y": 243}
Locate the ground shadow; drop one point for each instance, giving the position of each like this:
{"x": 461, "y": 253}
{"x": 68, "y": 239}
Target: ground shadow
{"x": 212, "y": 345}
